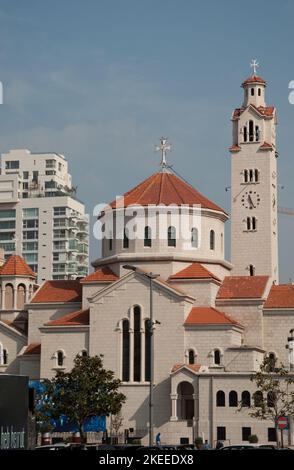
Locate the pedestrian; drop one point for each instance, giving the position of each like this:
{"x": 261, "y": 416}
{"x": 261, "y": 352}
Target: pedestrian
{"x": 206, "y": 445}
{"x": 219, "y": 445}
{"x": 157, "y": 439}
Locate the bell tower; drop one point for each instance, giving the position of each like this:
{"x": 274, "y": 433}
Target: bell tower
{"x": 254, "y": 230}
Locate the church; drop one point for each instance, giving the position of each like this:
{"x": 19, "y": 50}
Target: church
{"x": 213, "y": 320}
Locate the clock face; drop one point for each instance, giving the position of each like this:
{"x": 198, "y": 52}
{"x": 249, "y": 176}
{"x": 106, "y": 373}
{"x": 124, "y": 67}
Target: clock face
{"x": 250, "y": 200}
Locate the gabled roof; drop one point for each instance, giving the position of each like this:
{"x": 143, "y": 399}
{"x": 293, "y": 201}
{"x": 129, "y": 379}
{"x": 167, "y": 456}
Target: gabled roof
{"x": 15, "y": 265}
{"x": 193, "y": 367}
{"x": 32, "y": 348}
{"x": 58, "y": 291}
{"x": 266, "y": 111}
{"x": 242, "y": 287}
{"x": 208, "y": 316}
{"x": 81, "y": 317}
{"x": 253, "y": 79}
{"x": 194, "y": 271}
{"x": 103, "y": 274}
{"x": 280, "y": 296}
{"x": 164, "y": 188}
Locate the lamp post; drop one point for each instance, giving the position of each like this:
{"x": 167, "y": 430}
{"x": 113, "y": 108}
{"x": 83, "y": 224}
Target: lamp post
{"x": 150, "y": 276}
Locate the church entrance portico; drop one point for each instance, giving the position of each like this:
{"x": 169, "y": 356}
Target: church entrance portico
{"x": 185, "y": 401}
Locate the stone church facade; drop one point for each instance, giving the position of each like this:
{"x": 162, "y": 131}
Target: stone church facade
{"x": 215, "y": 320}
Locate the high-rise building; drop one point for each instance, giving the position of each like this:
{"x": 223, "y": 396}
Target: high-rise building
{"x": 40, "y": 216}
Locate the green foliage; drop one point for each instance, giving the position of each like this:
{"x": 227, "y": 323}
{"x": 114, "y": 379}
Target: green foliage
{"x": 198, "y": 442}
{"x": 253, "y": 439}
{"x": 87, "y": 390}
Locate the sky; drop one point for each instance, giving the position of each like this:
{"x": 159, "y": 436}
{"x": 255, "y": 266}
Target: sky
{"x": 101, "y": 80}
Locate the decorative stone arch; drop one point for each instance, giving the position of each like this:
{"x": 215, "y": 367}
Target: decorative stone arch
{"x": 9, "y": 296}
{"x": 21, "y": 296}
{"x": 57, "y": 357}
{"x": 188, "y": 355}
{"x": 273, "y": 358}
{"x": 213, "y": 355}
{"x": 179, "y": 396}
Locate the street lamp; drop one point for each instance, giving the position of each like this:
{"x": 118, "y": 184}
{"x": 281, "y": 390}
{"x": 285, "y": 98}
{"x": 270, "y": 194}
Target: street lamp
{"x": 150, "y": 276}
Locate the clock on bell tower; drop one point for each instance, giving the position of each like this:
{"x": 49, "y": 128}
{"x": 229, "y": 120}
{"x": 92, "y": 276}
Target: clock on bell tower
{"x": 254, "y": 237}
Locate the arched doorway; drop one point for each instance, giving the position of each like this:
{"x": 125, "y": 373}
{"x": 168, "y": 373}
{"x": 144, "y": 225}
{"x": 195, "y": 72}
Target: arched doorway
{"x": 185, "y": 393}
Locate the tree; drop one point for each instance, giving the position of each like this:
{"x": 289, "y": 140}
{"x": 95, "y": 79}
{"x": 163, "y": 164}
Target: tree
{"x": 274, "y": 396}
{"x": 117, "y": 422}
{"x": 86, "y": 391}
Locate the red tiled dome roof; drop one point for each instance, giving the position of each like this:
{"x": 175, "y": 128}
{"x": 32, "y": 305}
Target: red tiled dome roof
{"x": 253, "y": 79}
{"x": 16, "y": 266}
{"x": 165, "y": 188}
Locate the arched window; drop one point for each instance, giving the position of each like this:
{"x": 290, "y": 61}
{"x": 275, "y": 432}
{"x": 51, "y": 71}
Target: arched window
{"x": 60, "y": 358}
{"x": 110, "y": 241}
{"x": 251, "y": 270}
{"x": 220, "y": 398}
{"x": 256, "y": 173}
{"x": 251, "y": 176}
{"x": 253, "y": 221}
{"x": 137, "y": 344}
{"x": 259, "y": 92}
{"x": 248, "y": 221}
{"x": 126, "y": 241}
{"x": 212, "y": 240}
{"x": 233, "y": 399}
{"x": 147, "y": 350}
{"x": 217, "y": 357}
{"x": 257, "y": 133}
{"x": 245, "y": 176}
{"x": 21, "y": 293}
{"x": 245, "y": 399}
{"x": 171, "y": 236}
{"x": 271, "y": 399}
{"x": 5, "y": 357}
{"x": 194, "y": 237}
{"x": 126, "y": 351}
{"x": 147, "y": 236}
{"x": 9, "y": 297}
{"x": 84, "y": 353}
{"x": 271, "y": 360}
{"x": 258, "y": 399}
{"x": 191, "y": 356}
{"x": 251, "y": 131}
{"x": 245, "y": 133}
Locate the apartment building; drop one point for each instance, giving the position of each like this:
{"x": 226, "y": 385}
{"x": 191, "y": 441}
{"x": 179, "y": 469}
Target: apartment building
{"x": 41, "y": 218}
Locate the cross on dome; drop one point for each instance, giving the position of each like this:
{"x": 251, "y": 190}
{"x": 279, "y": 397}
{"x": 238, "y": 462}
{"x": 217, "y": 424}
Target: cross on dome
{"x": 254, "y": 64}
{"x": 163, "y": 147}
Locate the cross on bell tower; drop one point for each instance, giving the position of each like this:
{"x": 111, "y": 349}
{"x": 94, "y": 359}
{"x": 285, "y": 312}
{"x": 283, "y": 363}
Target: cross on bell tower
{"x": 254, "y": 64}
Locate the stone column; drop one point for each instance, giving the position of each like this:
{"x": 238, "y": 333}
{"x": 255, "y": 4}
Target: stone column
{"x": 142, "y": 332}
{"x": 131, "y": 354}
{"x": 174, "y": 399}
{"x": 2, "y": 298}
{"x": 14, "y": 298}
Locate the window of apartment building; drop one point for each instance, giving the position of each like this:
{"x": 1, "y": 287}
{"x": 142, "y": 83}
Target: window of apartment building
{"x": 25, "y": 185}
{"x": 59, "y": 166}
{"x": 34, "y": 267}
{"x": 25, "y": 175}
{"x": 7, "y": 214}
{"x": 30, "y": 223}
{"x": 31, "y": 257}
{"x": 60, "y": 222}
{"x": 50, "y": 172}
{"x": 246, "y": 432}
{"x": 7, "y": 224}
{"x": 221, "y": 433}
{"x": 7, "y": 246}
{"x": 59, "y": 233}
{"x": 59, "y": 245}
{"x": 7, "y": 236}
{"x": 51, "y": 163}
{"x": 30, "y": 246}
{"x": 59, "y": 267}
{"x": 12, "y": 165}
{"x": 30, "y": 212}
{"x": 30, "y": 235}
{"x": 50, "y": 184}
{"x": 59, "y": 211}
{"x": 56, "y": 256}
{"x": 25, "y": 195}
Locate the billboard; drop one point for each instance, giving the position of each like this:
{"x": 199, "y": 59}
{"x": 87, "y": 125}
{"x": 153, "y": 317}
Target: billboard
{"x": 14, "y": 406}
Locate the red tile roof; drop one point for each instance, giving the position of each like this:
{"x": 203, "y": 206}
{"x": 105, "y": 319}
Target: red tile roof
{"x": 193, "y": 367}
{"x": 59, "y": 291}
{"x": 33, "y": 348}
{"x": 194, "y": 271}
{"x": 253, "y": 79}
{"x": 81, "y": 317}
{"x": 234, "y": 148}
{"x": 281, "y": 296}
{"x": 267, "y": 111}
{"x": 104, "y": 274}
{"x": 165, "y": 188}
{"x": 16, "y": 266}
{"x": 266, "y": 146}
{"x": 242, "y": 287}
{"x": 208, "y": 316}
